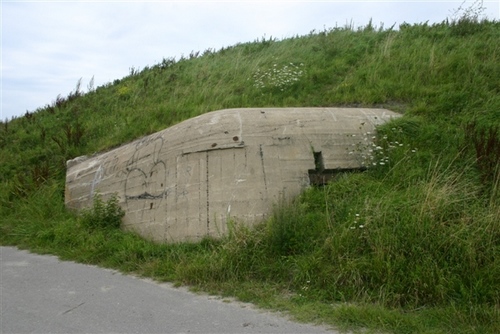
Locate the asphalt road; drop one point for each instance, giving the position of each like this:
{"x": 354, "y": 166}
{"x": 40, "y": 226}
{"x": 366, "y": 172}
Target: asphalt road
{"x": 41, "y": 294}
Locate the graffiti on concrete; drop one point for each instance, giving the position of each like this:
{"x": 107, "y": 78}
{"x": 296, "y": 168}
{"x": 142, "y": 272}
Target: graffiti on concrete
{"x": 149, "y": 183}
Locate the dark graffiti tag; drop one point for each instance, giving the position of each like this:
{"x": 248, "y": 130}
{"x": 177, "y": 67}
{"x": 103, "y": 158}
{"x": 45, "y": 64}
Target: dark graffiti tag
{"x": 146, "y": 173}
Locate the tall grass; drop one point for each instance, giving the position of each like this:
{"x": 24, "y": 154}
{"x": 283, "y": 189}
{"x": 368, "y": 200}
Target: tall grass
{"x": 410, "y": 245}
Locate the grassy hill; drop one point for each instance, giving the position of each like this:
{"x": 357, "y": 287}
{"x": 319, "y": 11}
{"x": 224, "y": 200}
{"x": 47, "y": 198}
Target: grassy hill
{"x": 410, "y": 246}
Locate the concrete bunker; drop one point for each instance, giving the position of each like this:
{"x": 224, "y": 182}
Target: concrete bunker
{"x": 185, "y": 182}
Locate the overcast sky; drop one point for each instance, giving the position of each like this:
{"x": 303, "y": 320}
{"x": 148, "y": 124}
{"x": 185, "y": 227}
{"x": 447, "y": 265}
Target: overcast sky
{"x": 47, "y": 46}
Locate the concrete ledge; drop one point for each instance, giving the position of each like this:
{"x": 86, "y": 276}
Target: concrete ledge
{"x": 185, "y": 182}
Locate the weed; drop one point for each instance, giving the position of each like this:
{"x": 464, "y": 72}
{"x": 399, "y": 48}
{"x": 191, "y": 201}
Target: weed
{"x": 472, "y": 13}
{"x": 90, "y": 85}
{"x": 102, "y": 214}
{"x": 486, "y": 143}
{"x": 76, "y": 92}
{"x": 124, "y": 92}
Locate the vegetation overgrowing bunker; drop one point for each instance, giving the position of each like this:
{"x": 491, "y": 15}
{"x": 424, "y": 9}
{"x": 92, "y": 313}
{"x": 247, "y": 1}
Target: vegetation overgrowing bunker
{"x": 185, "y": 182}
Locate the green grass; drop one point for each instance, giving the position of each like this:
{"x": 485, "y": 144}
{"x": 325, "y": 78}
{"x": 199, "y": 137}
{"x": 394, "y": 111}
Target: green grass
{"x": 410, "y": 246}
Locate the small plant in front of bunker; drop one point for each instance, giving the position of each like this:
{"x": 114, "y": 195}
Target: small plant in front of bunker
{"x": 102, "y": 214}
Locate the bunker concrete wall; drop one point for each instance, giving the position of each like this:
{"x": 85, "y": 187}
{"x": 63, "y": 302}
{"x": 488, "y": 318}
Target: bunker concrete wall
{"x": 185, "y": 182}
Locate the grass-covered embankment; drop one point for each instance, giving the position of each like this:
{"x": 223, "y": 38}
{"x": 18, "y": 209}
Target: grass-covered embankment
{"x": 410, "y": 246}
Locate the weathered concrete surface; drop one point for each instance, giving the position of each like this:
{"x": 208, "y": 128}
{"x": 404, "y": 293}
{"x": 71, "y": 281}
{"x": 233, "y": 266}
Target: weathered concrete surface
{"x": 184, "y": 182}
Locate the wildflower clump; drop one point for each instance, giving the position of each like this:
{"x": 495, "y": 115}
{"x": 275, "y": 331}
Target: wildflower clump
{"x": 373, "y": 151}
{"x": 278, "y": 76}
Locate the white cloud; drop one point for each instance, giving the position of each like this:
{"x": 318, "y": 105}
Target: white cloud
{"x": 48, "y": 46}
